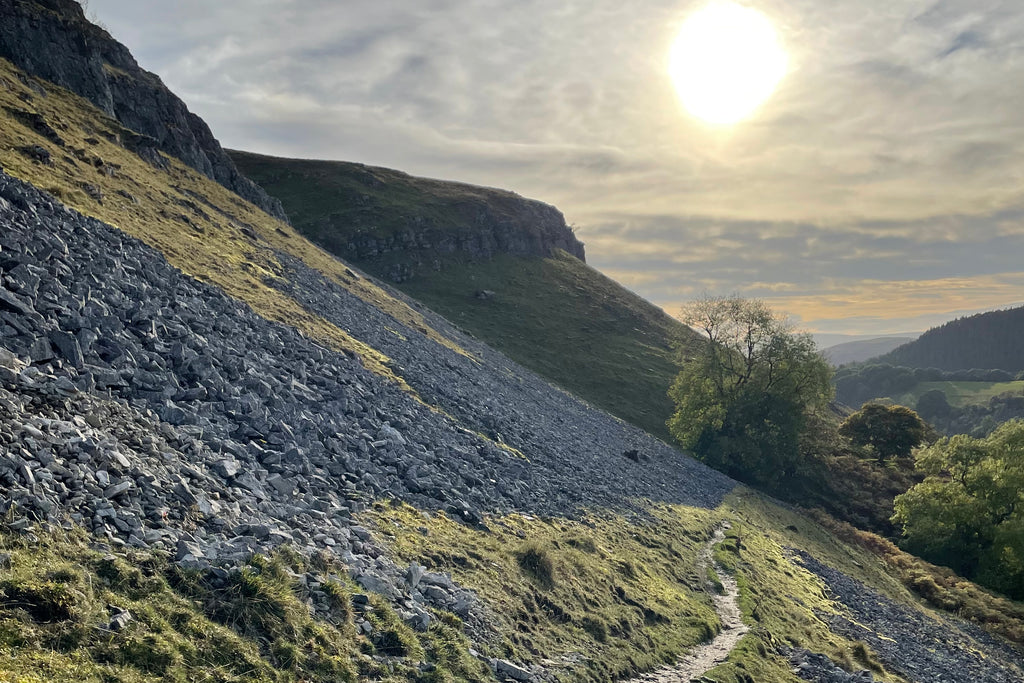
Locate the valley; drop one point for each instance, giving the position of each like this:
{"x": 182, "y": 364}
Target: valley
{"x": 229, "y": 454}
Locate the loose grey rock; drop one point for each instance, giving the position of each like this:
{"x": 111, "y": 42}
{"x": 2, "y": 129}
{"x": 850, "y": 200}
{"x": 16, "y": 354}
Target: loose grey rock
{"x": 507, "y": 669}
{"x": 180, "y": 385}
{"x": 120, "y": 620}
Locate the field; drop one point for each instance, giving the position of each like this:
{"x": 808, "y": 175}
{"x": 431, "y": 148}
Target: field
{"x": 961, "y": 394}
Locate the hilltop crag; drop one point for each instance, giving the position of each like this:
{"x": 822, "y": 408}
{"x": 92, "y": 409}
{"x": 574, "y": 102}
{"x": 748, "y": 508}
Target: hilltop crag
{"x": 53, "y": 40}
{"x": 399, "y": 226}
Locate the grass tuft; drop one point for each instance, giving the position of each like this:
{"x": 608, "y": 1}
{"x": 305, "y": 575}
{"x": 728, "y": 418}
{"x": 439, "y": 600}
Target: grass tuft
{"x": 535, "y": 561}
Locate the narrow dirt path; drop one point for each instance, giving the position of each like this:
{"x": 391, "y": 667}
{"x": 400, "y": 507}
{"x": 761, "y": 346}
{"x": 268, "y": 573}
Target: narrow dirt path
{"x": 705, "y": 657}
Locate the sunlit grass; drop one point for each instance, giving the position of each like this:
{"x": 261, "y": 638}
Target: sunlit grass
{"x": 198, "y": 225}
{"x": 960, "y": 394}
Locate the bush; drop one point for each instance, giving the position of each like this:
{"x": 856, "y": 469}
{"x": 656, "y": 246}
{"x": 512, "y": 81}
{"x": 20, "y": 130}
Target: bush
{"x": 933, "y": 404}
{"x": 892, "y": 431}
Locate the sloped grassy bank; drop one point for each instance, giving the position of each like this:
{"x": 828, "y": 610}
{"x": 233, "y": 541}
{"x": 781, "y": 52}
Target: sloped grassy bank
{"x": 606, "y": 597}
{"x": 72, "y": 609}
{"x": 61, "y": 143}
{"x": 594, "y": 599}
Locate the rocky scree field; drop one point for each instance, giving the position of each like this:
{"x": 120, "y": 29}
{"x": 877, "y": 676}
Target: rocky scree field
{"x": 166, "y": 418}
{"x": 504, "y": 268}
{"x": 225, "y": 455}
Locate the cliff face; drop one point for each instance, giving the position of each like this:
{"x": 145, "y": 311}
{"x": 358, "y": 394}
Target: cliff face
{"x": 53, "y": 40}
{"x": 400, "y": 226}
{"x": 535, "y": 229}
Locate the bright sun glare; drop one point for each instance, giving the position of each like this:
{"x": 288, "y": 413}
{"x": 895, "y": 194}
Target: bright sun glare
{"x": 725, "y": 62}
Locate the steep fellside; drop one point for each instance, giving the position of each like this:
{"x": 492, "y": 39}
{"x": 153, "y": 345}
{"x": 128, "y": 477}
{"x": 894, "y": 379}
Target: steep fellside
{"x": 63, "y": 144}
{"x": 398, "y": 226}
{"x": 53, "y": 40}
{"x": 986, "y": 340}
{"x": 502, "y": 267}
{"x": 200, "y": 481}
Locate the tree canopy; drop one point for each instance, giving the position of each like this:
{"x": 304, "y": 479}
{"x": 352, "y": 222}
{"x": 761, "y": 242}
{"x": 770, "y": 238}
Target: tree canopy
{"x": 742, "y": 399}
{"x": 984, "y": 340}
{"x": 968, "y": 513}
{"x": 891, "y": 431}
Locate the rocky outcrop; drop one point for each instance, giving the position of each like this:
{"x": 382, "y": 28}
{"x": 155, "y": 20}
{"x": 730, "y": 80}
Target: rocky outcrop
{"x": 399, "y": 226}
{"x": 52, "y": 39}
{"x": 538, "y": 230}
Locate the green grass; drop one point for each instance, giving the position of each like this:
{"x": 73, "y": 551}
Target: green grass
{"x": 320, "y": 195}
{"x": 557, "y": 316}
{"x": 58, "y": 595}
{"x": 200, "y": 227}
{"x": 570, "y": 324}
{"x": 608, "y": 597}
{"x": 598, "y": 599}
{"x": 960, "y": 394}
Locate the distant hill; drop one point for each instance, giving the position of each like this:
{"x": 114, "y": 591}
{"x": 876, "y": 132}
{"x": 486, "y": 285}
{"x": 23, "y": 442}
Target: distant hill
{"x": 986, "y": 340}
{"x": 505, "y": 268}
{"x": 861, "y": 350}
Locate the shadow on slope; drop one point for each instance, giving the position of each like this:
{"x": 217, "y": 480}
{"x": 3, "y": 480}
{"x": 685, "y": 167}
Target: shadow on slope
{"x": 541, "y": 306}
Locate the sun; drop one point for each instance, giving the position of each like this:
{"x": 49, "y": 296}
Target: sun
{"x": 725, "y": 62}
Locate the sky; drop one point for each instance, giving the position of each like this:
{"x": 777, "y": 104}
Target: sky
{"x": 879, "y": 190}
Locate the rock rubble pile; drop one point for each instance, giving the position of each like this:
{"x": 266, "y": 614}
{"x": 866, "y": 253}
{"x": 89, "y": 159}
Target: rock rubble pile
{"x": 917, "y": 646}
{"x": 159, "y": 413}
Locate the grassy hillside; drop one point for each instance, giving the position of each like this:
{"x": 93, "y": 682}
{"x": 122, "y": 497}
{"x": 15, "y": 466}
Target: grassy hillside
{"x": 593, "y": 600}
{"x": 372, "y": 199}
{"x": 61, "y": 143}
{"x": 557, "y": 316}
{"x": 569, "y": 323}
{"x": 590, "y": 598}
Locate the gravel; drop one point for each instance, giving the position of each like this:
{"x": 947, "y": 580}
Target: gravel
{"x": 927, "y": 647}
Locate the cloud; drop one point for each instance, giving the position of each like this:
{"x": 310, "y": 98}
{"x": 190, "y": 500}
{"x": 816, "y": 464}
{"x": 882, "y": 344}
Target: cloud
{"x": 893, "y": 151}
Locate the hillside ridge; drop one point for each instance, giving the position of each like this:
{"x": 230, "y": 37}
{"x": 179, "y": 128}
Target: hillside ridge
{"x": 400, "y": 226}
{"x": 53, "y": 40}
{"x": 985, "y": 340}
{"x": 226, "y": 456}
{"x": 504, "y": 268}
{"x": 862, "y": 350}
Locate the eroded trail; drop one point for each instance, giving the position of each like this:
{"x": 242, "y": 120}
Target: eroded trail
{"x": 705, "y": 657}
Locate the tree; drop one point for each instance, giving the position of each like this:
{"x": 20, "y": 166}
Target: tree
{"x": 933, "y": 404}
{"x": 742, "y": 399}
{"x": 968, "y": 513}
{"x": 892, "y": 431}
